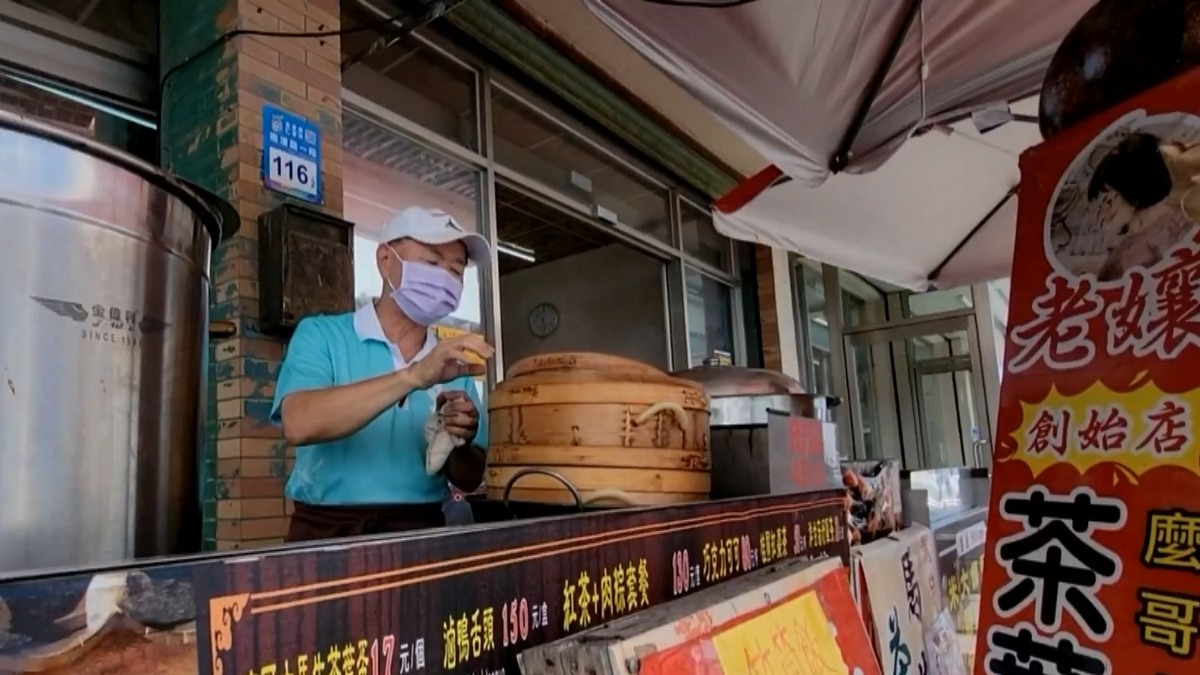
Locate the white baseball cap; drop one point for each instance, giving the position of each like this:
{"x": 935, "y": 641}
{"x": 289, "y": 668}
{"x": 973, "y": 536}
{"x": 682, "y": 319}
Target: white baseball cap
{"x": 435, "y": 227}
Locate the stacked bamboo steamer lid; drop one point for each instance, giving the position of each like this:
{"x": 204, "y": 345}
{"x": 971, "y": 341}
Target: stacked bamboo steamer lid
{"x": 621, "y": 432}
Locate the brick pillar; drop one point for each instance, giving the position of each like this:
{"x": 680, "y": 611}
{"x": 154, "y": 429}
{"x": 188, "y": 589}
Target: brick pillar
{"x": 211, "y": 134}
{"x": 776, "y": 313}
{"x": 768, "y": 317}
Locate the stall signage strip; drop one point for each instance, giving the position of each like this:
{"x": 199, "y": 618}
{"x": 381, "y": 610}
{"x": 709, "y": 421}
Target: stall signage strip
{"x": 470, "y": 601}
{"x": 1092, "y": 562}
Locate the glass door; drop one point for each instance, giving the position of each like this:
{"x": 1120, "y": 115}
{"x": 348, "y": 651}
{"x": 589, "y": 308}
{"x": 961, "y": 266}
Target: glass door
{"x": 917, "y": 393}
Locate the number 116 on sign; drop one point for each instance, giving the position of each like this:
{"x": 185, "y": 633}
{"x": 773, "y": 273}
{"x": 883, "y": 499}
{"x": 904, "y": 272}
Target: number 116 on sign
{"x": 291, "y": 172}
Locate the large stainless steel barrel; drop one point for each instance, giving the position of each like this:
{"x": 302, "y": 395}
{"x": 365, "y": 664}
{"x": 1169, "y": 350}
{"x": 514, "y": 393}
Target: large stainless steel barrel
{"x": 103, "y": 338}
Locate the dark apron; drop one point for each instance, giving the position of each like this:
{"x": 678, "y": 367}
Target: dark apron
{"x": 310, "y": 523}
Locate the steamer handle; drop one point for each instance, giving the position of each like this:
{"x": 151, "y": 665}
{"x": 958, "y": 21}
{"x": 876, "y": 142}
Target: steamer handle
{"x": 545, "y": 472}
{"x": 681, "y": 417}
{"x": 615, "y": 495}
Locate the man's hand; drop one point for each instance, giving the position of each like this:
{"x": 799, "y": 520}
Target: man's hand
{"x": 449, "y": 360}
{"x": 466, "y": 464}
{"x": 459, "y": 415}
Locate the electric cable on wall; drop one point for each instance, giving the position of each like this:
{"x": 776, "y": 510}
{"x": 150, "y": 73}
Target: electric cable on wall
{"x": 431, "y": 12}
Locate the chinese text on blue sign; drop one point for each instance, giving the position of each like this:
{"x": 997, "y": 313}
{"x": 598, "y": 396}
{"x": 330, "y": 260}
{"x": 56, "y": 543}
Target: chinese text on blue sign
{"x": 291, "y": 159}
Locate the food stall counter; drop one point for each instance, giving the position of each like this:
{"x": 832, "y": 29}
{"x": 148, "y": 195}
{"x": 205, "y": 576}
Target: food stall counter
{"x": 453, "y": 600}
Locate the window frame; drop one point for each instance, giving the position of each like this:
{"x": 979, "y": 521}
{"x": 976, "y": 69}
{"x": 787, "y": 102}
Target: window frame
{"x": 79, "y": 57}
{"x": 676, "y": 260}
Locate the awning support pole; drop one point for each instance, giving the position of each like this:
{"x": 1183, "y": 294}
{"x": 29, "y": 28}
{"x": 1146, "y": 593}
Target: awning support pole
{"x": 841, "y": 158}
{"x": 971, "y": 235}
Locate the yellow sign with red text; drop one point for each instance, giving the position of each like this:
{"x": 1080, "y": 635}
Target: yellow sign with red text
{"x": 1137, "y": 430}
{"x": 792, "y": 638}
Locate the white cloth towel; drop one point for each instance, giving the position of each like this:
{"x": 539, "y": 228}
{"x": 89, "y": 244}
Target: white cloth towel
{"x": 440, "y": 442}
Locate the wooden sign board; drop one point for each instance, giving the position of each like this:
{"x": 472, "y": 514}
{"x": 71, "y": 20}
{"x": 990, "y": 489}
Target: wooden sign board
{"x": 462, "y": 600}
{"x": 901, "y": 596}
{"x": 796, "y": 617}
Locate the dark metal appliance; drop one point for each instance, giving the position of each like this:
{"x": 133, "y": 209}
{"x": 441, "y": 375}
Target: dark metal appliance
{"x": 743, "y": 401}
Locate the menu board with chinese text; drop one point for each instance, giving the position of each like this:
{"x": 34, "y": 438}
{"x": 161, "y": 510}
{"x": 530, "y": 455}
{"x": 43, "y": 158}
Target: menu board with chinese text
{"x": 1092, "y": 562}
{"x": 462, "y": 600}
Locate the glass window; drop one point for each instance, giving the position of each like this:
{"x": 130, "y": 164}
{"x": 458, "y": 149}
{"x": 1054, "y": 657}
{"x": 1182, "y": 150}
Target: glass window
{"x": 937, "y": 302}
{"x": 945, "y": 398}
{"x": 812, "y": 328}
{"x": 700, "y": 238}
{"x": 385, "y": 172}
{"x": 863, "y": 303}
{"x": 709, "y": 316}
{"x": 417, "y": 82}
{"x": 865, "y": 367}
{"x": 536, "y": 147}
{"x": 78, "y": 113}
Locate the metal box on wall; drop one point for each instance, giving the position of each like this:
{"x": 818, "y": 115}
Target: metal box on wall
{"x": 306, "y": 266}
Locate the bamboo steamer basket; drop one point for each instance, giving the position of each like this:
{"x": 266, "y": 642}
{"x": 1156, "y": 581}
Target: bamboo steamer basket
{"x": 596, "y": 429}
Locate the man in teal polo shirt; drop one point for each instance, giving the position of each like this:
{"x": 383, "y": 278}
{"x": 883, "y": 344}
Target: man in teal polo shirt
{"x": 356, "y": 391}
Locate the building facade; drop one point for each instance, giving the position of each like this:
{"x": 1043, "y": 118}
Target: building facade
{"x": 595, "y": 199}
{"x": 919, "y": 373}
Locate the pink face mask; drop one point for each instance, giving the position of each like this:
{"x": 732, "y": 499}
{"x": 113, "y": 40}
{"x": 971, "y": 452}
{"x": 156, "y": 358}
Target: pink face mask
{"x": 427, "y": 293}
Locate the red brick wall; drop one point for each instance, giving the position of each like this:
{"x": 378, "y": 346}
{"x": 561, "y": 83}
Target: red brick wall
{"x": 212, "y": 131}
{"x": 768, "y": 318}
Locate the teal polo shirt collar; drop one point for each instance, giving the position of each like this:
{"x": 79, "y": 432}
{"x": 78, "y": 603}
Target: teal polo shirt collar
{"x": 368, "y": 328}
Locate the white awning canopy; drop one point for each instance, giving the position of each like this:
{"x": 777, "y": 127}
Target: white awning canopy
{"x": 815, "y": 84}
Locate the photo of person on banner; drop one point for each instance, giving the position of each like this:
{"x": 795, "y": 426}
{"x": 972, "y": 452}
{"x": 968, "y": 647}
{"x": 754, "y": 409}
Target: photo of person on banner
{"x": 1131, "y": 199}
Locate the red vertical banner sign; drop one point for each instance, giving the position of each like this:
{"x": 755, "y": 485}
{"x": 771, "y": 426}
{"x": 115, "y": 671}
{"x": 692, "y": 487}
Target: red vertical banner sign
{"x": 1093, "y": 560}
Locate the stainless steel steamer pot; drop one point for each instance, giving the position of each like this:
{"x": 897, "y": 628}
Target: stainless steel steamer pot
{"x": 103, "y": 345}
